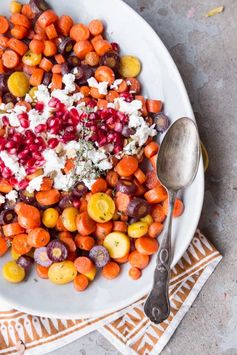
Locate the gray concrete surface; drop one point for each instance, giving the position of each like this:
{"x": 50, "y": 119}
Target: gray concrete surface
{"x": 205, "y": 50}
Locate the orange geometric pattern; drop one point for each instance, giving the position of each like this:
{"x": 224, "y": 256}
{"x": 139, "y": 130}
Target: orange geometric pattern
{"x": 127, "y": 329}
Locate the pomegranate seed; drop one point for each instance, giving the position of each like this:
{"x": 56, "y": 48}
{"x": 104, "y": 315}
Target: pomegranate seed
{"x": 24, "y": 123}
{"x": 33, "y": 148}
{"x": 53, "y": 142}
{"x": 40, "y": 162}
{"x": 6, "y": 173}
{"x": 5, "y": 120}
{"x": 17, "y": 137}
{"x": 122, "y": 117}
{"x": 127, "y": 96}
{"x": 31, "y": 162}
{"x": 38, "y": 156}
{"x": 53, "y": 102}
{"x": 23, "y": 184}
{"x": 12, "y": 151}
{"x": 93, "y": 116}
{"x": 2, "y": 143}
{"x": 23, "y": 154}
{"x": 115, "y": 47}
{"x": 30, "y": 134}
{"x": 39, "y": 106}
{"x": 68, "y": 136}
{"x": 118, "y": 127}
{"x": 11, "y": 131}
{"x": 41, "y": 128}
{"x": 117, "y": 149}
{"x": 30, "y": 170}
{"x": 92, "y": 103}
{"x": 22, "y": 116}
{"x": 60, "y": 107}
{"x": 13, "y": 181}
{"x": 10, "y": 144}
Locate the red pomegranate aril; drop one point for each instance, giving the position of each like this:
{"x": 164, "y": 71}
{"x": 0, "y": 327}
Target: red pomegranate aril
{"x": 23, "y": 115}
{"x": 117, "y": 149}
{"x": 41, "y": 128}
{"x": 39, "y": 106}
{"x": 53, "y": 142}
{"x": 38, "y": 156}
{"x": 23, "y": 184}
{"x": 118, "y": 127}
{"x": 92, "y": 103}
{"x": 17, "y": 137}
{"x": 60, "y": 107}
{"x": 24, "y": 123}
{"x": 30, "y": 134}
{"x": 23, "y": 154}
{"x": 115, "y": 47}
{"x": 33, "y": 148}
{"x": 40, "y": 162}
{"x": 12, "y": 151}
{"x": 122, "y": 117}
{"x": 30, "y": 170}
{"x": 53, "y": 102}
{"x": 68, "y": 136}
{"x": 31, "y": 162}
{"x": 13, "y": 181}
{"x": 10, "y": 144}
{"x": 5, "y": 120}
{"x": 6, "y": 173}
{"x": 127, "y": 96}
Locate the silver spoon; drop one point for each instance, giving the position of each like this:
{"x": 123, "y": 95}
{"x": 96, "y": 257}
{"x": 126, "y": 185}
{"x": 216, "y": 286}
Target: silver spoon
{"x": 177, "y": 164}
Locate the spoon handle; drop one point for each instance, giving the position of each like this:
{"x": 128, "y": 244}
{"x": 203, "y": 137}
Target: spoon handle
{"x": 157, "y": 305}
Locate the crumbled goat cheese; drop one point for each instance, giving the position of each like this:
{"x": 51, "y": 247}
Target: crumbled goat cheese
{"x": 116, "y": 84}
{"x": 12, "y": 196}
{"x": 35, "y": 184}
{"x": 102, "y": 87}
{"x": 131, "y": 148}
{"x": 69, "y": 81}
{"x": 11, "y": 162}
{"x": 135, "y": 121}
{"x": 127, "y": 107}
{"x": 63, "y": 182}
{"x": 63, "y": 96}
{"x": 53, "y": 163}
{"x": 28, "y": 98}
{"x": 2, "y": 199}
{"x": 42, "y": 94}
{"x": 143, "y": 133}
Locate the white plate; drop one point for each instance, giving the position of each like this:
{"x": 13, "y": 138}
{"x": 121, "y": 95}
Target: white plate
{"x": 161, "y": 80}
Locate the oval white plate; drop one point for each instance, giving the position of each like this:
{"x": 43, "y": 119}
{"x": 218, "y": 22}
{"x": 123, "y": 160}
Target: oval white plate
{"x": 161, "y": 80}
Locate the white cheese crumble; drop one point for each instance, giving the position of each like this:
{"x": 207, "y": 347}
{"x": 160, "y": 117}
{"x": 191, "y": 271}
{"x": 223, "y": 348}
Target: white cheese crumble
{"x": 116, "y": 84}
{"x": 69, "y": 81}
{"x": 53, "y": 163}
{"x": 102, "y": 87}
{"x": 28, "y": 98}
{"x": 12, "y": 196}
{"x": 35, "y": 184}
{"x": 127, "y": 107}
{"x": 2, "y": 199}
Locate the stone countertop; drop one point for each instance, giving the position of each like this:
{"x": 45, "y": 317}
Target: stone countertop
{"x": 205, "y": 51}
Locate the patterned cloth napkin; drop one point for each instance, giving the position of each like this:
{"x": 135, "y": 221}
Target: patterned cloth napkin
{"x": 128, "y": 329}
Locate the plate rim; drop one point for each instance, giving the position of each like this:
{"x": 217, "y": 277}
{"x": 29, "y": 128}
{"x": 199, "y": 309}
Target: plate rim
{"x": 129, "y": 301}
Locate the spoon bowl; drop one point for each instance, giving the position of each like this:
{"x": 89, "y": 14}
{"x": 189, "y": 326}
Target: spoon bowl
{"x": 177, "y": 166}
{"x": 179, "y": 155}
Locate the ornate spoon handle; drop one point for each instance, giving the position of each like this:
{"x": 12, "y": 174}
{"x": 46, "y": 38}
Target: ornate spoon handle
{"x": 157, "y": 305}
